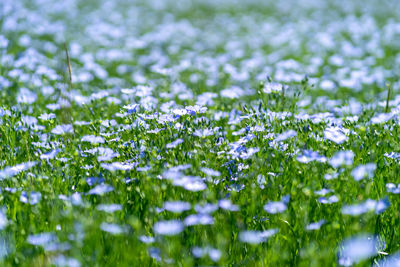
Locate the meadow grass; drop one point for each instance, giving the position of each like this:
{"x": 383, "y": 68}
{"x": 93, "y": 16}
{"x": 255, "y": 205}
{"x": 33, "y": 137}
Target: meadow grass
{"x": 199, "y": 133}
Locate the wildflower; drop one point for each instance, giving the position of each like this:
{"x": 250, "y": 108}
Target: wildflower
{"x": 232, "y": 93}
{"x": 118, "y": 166}
{"x": 378, "y": 206}
{"x": 41, "y": 239}
{"x": 249, "y": 152}
{"x": 363, "y": 171}
{"x": 393, "y": 155}
{"x": 53, "y": 106}
{"x": 3, "y": 220}
{"x": 355, "y": 249}
{"x": 206, "y": 208}
{"x": 190, "y": 183}
{"x": 198, "y": 219}
{"x": 168, "y": 228}
{"x": 26, "y": 96}
{"x": 175, "y": 143}
{"x": 62, "y": 129}
{"x": 50, "y": 155}
{"x": 342, "y": 158}
{"x": 112, "y": 228}
{"x": 392, "y": 188}
{"x": 29, "y": 120}
{"x": 274, "y": 207}
{"x": 315, "y": 225}
{"x": 392, "y": 260}
{"x": 14, "y": 170}
{"x": 47, "y": 116}
{"x": 210, "y": 172}
{"x": 177, "y": 206}
{"x": 274, "y": 88}
{"x": 323, "y": 192}
{"x": 109, "y": 208}
{"x": 256, "y": 237}
{"x": 63, "y": 261}
{"x": 285, "y": 135}
{"x": 32, "y": 198}
{"x": 226, "y": 204}
{"x": 146, "y": 239}
{"x": 101, "y": 189}
{"x": 131, "y": 108}
{"x": 104, "y": 153}
{"x": 93, "y": 139}
{"x": 335, "y": 134}
{"x": 203, "y": 132}
{"x": 381, "y": 118}
{"x": 330, "y": 200}
{"x": 213, "y": 253}
{"x": 309, "y": 156}
{"x": 193, "y": 110}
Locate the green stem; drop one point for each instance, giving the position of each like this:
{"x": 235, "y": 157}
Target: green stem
{"x": 388, "y": 98}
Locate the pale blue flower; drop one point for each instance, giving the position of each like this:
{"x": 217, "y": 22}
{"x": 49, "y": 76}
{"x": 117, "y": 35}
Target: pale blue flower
{"x": 206, "y": 208}
{"x": 112, "y": 228}
{"x": 330, "y": 200}
{"x": 226, "y": 204}
{"x": 26, "y": 96}
{"x": 190, "y": 183}
{"x": 14, "y": 170}
{"x": 123, "y": 166}
{"x": 335, "y": 134}
{"x": 213, "y": 253}
{"x": 63, "y": 261}
{"x": 62, "y": 129}
{"x": 274, "y": 207}
{"x": 47, "y": 116}
{"x": 3, "y": 220}
{"x": 32, "y": 198}
{"x": 109, "y": 208}
{"x": 392, "y": 260}
{"x": 315, "y": 225}
{"x": 146, "y": 239}
{"x": 285, "y": 135}
{"x": 50, "y": 155}
{"x": 41, "y": 239}
{"x": 381, "y": 118}
{"x": 392, "y": 188}
{"x": 256, "y": 237}
{"x": 175, "y": 143}
{"x": 101, "y": 189}
{"x": 198, "y": 219}
{"x": 309, "y": 156}
{"x": 342, "y": 158}
{"x": 177, "y": 206}
{"x": 378, "y": 206}
{"x": 93, "y": 139}
{"x": 363, "y": 171}
{"x": 355, "y": 249}
{"x": 168, "y": 228}
{"x": 274, "y": 88}
{"x": 131, "y": 108}
{"x": 210, "y": 172}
